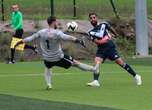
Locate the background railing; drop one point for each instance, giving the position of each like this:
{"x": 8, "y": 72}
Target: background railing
{"x": 39, "y": 9}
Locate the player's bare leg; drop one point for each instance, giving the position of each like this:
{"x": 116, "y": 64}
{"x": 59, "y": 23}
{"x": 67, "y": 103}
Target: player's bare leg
{"x": 127, "y": 67}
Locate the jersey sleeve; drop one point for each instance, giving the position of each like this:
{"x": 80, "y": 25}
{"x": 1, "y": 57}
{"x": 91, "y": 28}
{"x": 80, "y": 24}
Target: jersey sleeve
{"x": 108, "y": 25}
{"x": 31, "y": 38}
{"x": 63, "y": 36}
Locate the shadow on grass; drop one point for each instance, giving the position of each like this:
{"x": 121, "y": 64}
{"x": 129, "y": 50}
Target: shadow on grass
{"x": 8, "y": 102}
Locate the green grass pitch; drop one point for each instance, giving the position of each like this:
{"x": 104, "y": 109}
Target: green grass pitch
{"x": 22, "y": 87}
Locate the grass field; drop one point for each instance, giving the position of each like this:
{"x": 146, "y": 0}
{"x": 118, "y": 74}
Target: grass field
{"x": 22, "y": 87}
{"x": 39, "y": 9}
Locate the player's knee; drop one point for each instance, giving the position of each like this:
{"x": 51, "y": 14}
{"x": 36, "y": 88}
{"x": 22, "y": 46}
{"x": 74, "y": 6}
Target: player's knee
{"x": 98, "y": 60}
{"x": 120, "y": 62}
{"x": 75, "y": 63}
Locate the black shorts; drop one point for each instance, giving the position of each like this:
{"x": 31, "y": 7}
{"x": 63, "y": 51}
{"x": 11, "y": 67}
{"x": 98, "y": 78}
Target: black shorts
{"x": 110, "y": 54}
{"x": 65, "y": 62}
{"x": 18, "y": 33}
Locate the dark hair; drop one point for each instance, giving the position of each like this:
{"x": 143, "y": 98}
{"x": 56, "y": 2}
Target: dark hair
{"x": 51, "y": 19}
{"x": 90, "y": 14}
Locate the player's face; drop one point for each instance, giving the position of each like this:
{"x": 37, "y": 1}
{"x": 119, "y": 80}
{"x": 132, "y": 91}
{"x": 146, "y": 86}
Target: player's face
{"x": 59, "y": 25}
{"x": 55, "y": 23}
{"x": 15, "y": 8}
{"x": 93, "y": 20}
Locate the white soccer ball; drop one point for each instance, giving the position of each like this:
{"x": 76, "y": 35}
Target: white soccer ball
{"x": 72, "y": 25}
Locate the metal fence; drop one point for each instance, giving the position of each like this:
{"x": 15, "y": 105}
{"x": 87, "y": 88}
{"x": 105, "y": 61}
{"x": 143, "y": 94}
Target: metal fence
{"x": 39, "y": 9}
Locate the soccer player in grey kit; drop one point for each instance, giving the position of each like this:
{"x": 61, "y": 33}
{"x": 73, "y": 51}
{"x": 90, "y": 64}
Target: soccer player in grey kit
{"x": 50, "y": 44}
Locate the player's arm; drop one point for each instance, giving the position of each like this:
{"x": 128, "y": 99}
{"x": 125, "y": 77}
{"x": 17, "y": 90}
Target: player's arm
{"x": 67, "y": 37}
{"x": 28, "y": 39}
{"x": 113, "y": 31}
{"x": 7, "y": 25}
{"x": 102, "y": 41}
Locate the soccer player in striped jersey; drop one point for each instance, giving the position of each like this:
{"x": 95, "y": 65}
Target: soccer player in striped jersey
{"x": 102, "y": 34}
{"x": 50, "y": 44}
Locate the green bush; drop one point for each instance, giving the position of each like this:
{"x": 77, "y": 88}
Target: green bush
{"x": 125, "y": 47}
{"x": 5, "y": 39}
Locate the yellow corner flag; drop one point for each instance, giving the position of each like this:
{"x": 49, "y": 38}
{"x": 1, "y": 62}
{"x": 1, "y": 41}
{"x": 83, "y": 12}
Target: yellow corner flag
{"x": 14, "y": 42}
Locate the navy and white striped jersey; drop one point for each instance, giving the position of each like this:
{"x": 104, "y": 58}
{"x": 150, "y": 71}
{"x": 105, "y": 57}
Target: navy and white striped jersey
{"x": 100, "y": 30}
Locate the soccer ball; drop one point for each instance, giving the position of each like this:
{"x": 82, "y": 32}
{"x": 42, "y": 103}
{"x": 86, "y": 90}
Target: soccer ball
{"x": 72, "y": 25}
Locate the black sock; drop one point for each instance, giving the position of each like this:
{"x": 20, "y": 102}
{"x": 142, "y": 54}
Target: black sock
{"x": 12, "y": 54}
{"x": 129, "y": 69}
{"x": 96, "y": 76}
{"x": 29, "y": 47}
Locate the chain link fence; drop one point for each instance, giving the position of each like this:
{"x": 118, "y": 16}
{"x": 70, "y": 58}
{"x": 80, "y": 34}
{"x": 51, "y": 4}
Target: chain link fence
{"x": 40, "y": 9}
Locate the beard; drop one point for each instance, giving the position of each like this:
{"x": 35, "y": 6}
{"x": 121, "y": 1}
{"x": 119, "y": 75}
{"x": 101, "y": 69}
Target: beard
{"x": 55, "y": 27}
{"x": 94, "y": 23}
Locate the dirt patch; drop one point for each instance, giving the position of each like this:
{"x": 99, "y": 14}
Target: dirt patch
{"x": 124, "y": 28}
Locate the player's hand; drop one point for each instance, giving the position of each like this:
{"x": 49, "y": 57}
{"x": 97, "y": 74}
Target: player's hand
{"x": 7, "y": 25}
{"x": 92, "y": 38}
{"x": 80, "y": 41}
{"x": 9, "y": 30}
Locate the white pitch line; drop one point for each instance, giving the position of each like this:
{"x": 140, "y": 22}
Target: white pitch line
{"x": 60, "y": 74}
{"x": 32, "y": 75}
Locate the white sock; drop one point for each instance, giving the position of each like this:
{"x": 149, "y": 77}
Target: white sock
{"x": 47, "y": 76}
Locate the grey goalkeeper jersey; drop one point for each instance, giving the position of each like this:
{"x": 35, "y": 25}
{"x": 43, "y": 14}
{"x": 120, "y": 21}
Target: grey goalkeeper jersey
{"x": 50, "y": 43}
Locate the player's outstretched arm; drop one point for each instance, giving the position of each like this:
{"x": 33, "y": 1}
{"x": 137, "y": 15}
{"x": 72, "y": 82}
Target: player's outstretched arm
{"x": 71, "y": 38}
{"x": 79, "y": 41}
{"x": 28, "y": 39}
{"x": 114, "y": 31}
